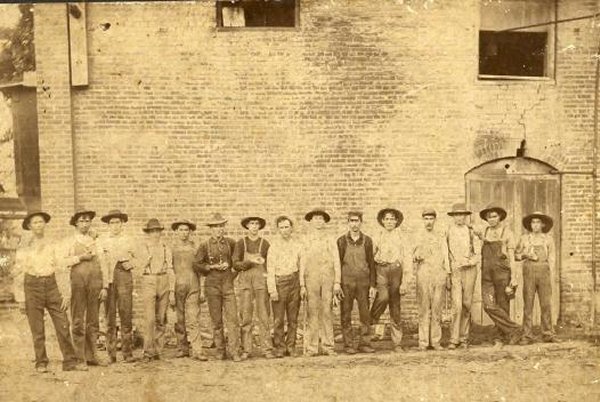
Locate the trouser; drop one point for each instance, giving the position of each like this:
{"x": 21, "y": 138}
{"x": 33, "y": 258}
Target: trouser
{"x": 319, "y": 298}
{"x": 86, "y": 283}
{"x": 495, "y": 302}
{"x": 41, "y": 293}
{"x": 187, "y": 328}
{"x": 355, "y": 289}
{"x": 253, "y": 289}
{"x": 430, "y": 290}
{"x": 288, "y": 289}
{"x": 389, "y": 279}
{"x": 119, "y": 298}
{"x": 220, "y": 296}
{"x": 463, "y": 287}
{"x": 155, "y": 298}
{"x": 537, "y": 279}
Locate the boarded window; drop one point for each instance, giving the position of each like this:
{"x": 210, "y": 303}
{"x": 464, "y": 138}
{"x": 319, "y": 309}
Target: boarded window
{"x": 508, "y": 52}
{"x": 257, "y": 13}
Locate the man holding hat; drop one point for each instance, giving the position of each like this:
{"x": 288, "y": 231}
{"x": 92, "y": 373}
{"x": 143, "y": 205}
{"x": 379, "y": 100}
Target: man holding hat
{"x": 187, "y": 292}
{"x": 283, "y": 284}
{"x": 214, "y": 260}
{"x": 118, "y": 264}
{"x": 390, "y": 260}
{"x": 536, "y": 250}
{"x": 320, "y": 279}
{"x": 463, "y": 264}
{"x": 158, "y": 287}
{"x": 43, "y": 284}
{"x": 498, "y": 278}
{"x": 358, "y": 283}
{"x": 249, "y": 259}
{"x": 88, "y": 286}
{"x": 430, "y": 259}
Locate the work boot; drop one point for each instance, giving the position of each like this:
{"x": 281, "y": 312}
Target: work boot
{"x": 269, "y": 355}
{"x": 182, "y": 353}
{"x": 279, "y": 353}
{"x": 366, "y": 349}
{"x": 437, "y": 348}
{"x": 293, "y": 353}
{"x": 43, "y": 369}
{"x": 552, "y": 339}
{"x": 525, "y": 341}
{"x": 399, "y": 349}
{"x": 96, "y": 362}
{"x": 244, "y": 356}
{"x": 349, "y": 350}
{"x": 113, "y": 359}
{"x": 236, "y": 358}
{"x": 130, "y": 359}
{"x": 77, "y": 367}
{"x": 452, "y": 346}
{"x": 200, "y": 357}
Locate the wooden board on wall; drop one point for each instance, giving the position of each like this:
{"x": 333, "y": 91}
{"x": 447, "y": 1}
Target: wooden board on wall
{"x": 78, "y": 44}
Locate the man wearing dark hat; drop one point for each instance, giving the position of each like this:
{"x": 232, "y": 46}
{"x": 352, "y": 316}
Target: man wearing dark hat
{"x": 249, "y": 259}
{"x": 358, "y": 283}
{"x": 88, "y": 286}
{"x": 536, "y": 250}
{"x": 463, "y": 264}
{"x": 158, "y": 287}
{"x": 187, "y": 292}
{"x": 320, "y": 279}
{"x": 119, "y": 255}
{"x": 430, "y": 258}
{"x": 45, "y": 286}
{"x": 498, "y": 278}
{"x": 214, "y": 260}
{"x": 283, "y": 284}
{"x": 390, "y": 260}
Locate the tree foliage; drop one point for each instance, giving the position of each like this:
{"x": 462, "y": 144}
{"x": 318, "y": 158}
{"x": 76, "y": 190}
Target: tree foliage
{"x": 18, "y": 55}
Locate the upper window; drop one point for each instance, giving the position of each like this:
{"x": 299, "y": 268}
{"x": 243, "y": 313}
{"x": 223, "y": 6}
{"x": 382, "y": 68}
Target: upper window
{"x": 510, "y": 50}
{"x": 257, "y": 13}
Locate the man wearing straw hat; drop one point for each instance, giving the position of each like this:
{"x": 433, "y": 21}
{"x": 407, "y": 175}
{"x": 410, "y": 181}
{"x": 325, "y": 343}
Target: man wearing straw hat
{"x": 498, "y": 276}
{"x": 320, "y": 283}
{"x": 187, "y": 292}
{"x": 463, "y": 264}
{"x": 119, "y": 254}
{"x": 158, "y": 287}
{"x": 390, "y": 261}
{"x": 249, "y": 259}
{"x": 214, "y": 260}
{"x": 536, "y": 250}
{"x": 42, "y": 282}
{"x": 88, "y": 286}
{"x": 430, "y": 258}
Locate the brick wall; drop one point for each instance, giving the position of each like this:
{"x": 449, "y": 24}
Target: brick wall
{"x": 366, "y": 104}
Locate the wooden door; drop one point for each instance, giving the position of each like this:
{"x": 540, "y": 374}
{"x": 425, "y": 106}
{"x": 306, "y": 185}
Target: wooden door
{"x": 521, "y": 186}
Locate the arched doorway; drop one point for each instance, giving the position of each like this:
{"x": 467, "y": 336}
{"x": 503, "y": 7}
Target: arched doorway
{"x": 521, "y": 185}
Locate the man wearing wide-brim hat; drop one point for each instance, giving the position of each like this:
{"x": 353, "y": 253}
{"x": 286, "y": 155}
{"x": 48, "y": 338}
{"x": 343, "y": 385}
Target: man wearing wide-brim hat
{"x": 536, "y": 250}
{"x": 42, "y": 283}
{"x": 119, "y": 257}
{"x": 498, "y": 274}
{"x": 249, "y": 259}
{"x": 187, "y": 292}
{"x": 463, "y": 258}
{"x": 214, "y": 261}
{"x": 158, "y": 287}
{"x": 391, "y": 259}
{"x": 320, "y": 283}
{"x": 88, "y": 286}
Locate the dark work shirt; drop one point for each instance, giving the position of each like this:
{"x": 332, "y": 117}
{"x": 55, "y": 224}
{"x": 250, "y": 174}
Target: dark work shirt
{"x": 239, "y": 254}
{"x": 343, "y": 243}
{"x": 214, "y": 251}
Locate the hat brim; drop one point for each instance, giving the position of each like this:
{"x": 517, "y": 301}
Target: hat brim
{"x": 548, "y": 222}
{"x": 76, "y": 216}
{"x": 190, "y": 225}
{"x": 28, "y": 218}
{"x": 217, "y": 223}
{"x": 246, "y": 221}
{"x": 463, "y": 212}
{"x": 153, "y": 228}
{"x": 106, "y": 218}
{"x": 500, "y": 211}
{"x": 308, "y": 217}
{"x": 399, "y": 216}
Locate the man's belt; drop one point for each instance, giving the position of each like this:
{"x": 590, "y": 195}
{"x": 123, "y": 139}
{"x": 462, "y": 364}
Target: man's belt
{"x": 39, "y": 276}
{"x": 154, "y": 274}
{"x": 286, "y": 275}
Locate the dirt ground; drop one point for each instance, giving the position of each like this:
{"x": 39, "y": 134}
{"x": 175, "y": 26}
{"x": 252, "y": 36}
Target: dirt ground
{"x": 569, "y": 371}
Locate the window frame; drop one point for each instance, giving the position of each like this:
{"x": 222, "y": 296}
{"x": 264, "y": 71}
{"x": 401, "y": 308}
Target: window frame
{"x": 220, "y": 28}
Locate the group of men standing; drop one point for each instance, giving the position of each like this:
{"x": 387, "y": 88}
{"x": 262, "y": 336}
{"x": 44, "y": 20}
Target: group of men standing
{"x": 247, "y": 281}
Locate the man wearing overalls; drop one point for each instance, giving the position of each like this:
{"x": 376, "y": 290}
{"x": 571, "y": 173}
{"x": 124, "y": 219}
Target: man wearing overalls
{"x": 213, "y": 260}
{"x": 158, "y": 288}
{"x": 430, "y": 258}
{"x": 320, "y": 278}
{"x": 498, "y": 278}
{"x": 249, "y": 259}
{"x": 390, "y": 261}
{"x": 88, "y": 287}
{"x": 536, "y": 250}
{"x": 187, "y": 292}
{"x": 119, "y": 254}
